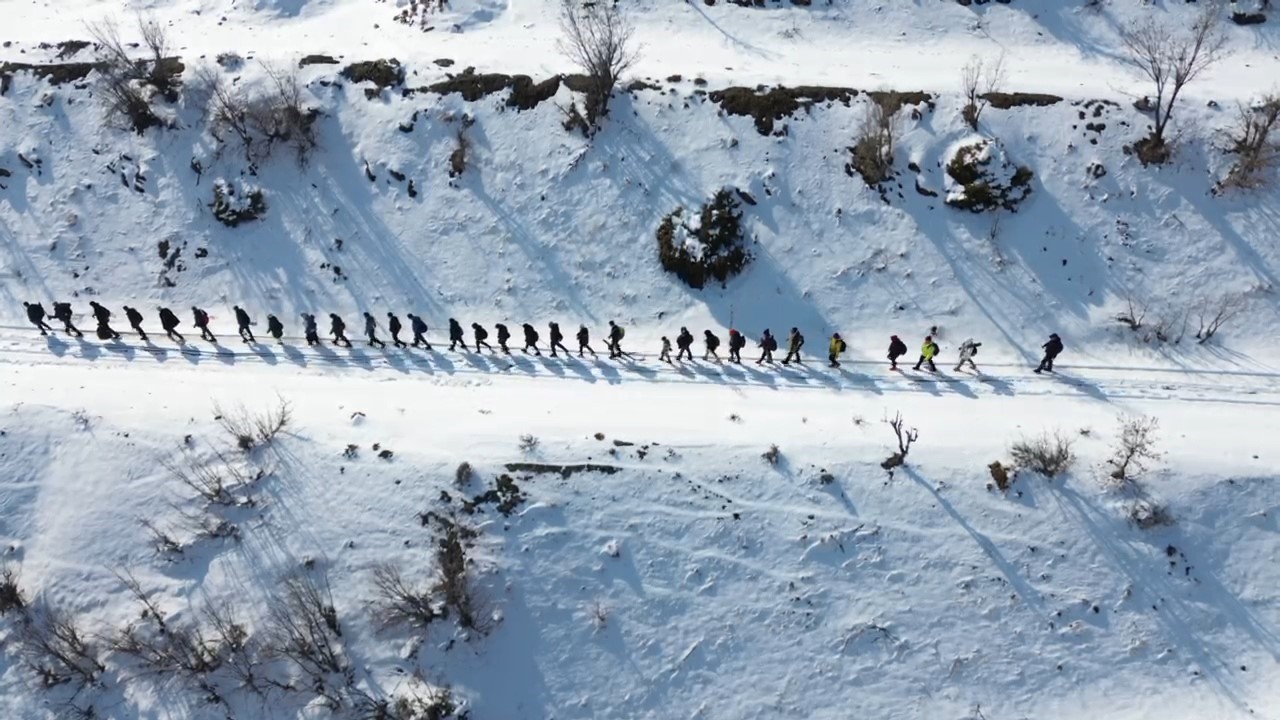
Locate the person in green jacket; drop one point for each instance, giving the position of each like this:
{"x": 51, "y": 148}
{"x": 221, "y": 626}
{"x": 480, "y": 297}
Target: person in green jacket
{"x": 836, "y": 347}
{"x": 927, "y": 352}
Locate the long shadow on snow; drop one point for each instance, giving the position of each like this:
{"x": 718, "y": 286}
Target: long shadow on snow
{"x": 1141, "y": 559}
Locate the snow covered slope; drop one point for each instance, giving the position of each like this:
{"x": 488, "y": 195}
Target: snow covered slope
{"x": 683, "y": 575}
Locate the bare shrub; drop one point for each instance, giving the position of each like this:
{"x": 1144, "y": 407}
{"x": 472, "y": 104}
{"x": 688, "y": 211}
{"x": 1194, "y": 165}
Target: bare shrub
{"x": 1000, "y": 476}
{"x": 247, "y": 429}
{"x": 436, "y": 703}
{"x": 905, "y": 437}
{"x": 1256, "y": 148}
{"x": 240, "y": 653}
{"x": 528, "y": 443}
{"x": 463, "y": 475}
{"x": 599, "y": 38}
{"x": 400, "y": 603}
{"x": 161, "y": 540}
{"x": 53, "y": 646}
{"x": 11, "y": 596}
{"x": 304, "y": 631}
{"x": 454, "y": 581}
{"x": 263, "y": 118}
{"x": 1049, "y": 454}
{"x": 979, "y": 78}
{"x": 1134, "y": 448}
{"x": 872, "y": 151}
{"x": 1170, "y": 58}
{"x": 599, "y": 615}
{"x": 1213, "y": 314}
{"x": 128, "y": 84}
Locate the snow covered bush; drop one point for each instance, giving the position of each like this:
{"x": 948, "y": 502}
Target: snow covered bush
{"x": 11, "y": 597}
{"x": 706, "y": 246}
{"x": 982, "y": 178}
{"x": 237, "y": 202}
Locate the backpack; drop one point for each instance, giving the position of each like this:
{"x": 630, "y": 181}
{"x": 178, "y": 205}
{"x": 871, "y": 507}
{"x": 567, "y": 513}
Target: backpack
{"x": 934, "y": 348}
{"x": 482, "y": 333}
{"x": 621, "y": 331}
{"x": 843, "y": 346}
{"x": 771, "y": 344}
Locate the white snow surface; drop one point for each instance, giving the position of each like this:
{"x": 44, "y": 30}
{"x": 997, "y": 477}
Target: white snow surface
{"x": 729, "y": 587}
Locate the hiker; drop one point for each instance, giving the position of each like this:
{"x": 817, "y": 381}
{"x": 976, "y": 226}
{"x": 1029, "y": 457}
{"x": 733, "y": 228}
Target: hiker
{"x": 928, "y": 350}
{"x": 135, "y": 321}
{"x": 455, "y": 336}
{"x": 1051, "y": 351}
{"x": 584, "y": 340}
{"x": 103, "y": 315}
{"x": 711, "y": 342}
{"x": 616, "y": 333}
{"x": 736, "y": 343}
{"x": 62, "y": 313}
{"x": 504, "y": 335}
{"x": 684, "y": 341}
{"x": 479, "y": 334}
{"x": 530, "y": 339}
{"x": 968, "y": 349}
{"x": 795, "y": 341}
{"x": 242, "y": 324}
{"x": 835, "y": 348}
{"x": 275, "y": 328}
{"x": 665, "y": 355}
{"x": 36, "y": 314}
{"x": 371, "y": 330}
{"x": 419, "y": 327}
{"x": 897, "y": 349}
{"x": 557, "y": 339}
{"x": 768, "y": 343}
{"x": 394, "y": 327}
{"x": 309, "y": 329}
{"x": 169, "y": 322}
{"x": 338, "y": 329}
{"x": 202, "y": 321}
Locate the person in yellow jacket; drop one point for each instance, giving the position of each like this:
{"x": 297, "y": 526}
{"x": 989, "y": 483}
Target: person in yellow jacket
{"x": 927, "y": 352}
{"x": 836, "y": 347}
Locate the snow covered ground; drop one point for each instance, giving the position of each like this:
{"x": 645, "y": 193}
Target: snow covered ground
{"x": 690, "y": 577}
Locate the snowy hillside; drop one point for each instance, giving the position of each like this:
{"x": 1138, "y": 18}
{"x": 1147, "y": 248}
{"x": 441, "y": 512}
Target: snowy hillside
{"x": 677, "y": 572}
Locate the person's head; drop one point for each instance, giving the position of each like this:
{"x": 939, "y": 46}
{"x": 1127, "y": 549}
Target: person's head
{"x": 235, "y": 307}
{"x": 94, "y": 303}
{"x": 928, "y": 338}
{"x": 452, "y": 321}
{"x": 390, "y": 314}
{"x": 333, "y": 315}
{"x": 582, "y": 327}
{"x": 1054, "y": 336}
{"x": 766, "y": 331}
{"x": 684, "y": 329}
{"x": 836, "y": 335}
{"x": 195, "y": 309}
{"x": 26, "y": 304}
{"x": 475, "y": 325}
{"x": 893, "y": 338}
{"x": 664, "y": 339}
{"x": 611, "y": 323}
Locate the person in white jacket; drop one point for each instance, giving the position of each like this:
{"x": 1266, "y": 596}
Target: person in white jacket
{"x": 968, "y": 349}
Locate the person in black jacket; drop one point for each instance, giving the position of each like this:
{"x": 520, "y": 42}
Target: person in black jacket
{"x": 478, "y": 333}
{"x": 242, "y": 324}
{"x": 530, "y": 339}
{"x": 309, "y": 329}
{"x": 135, "y": 321}
{"x": 795, "y": 341}
{"x": 202, "y": 321}
{"x": 684, "y": 341}
{"x": 62, "y": 313}
{"x": 737, "y": 341}
{"x": 275, "y": 328}
{"x": 35, "y": 313}
{"x": 768, "y": 343}
{"x": 584, "y": 341}
{"x": 712, "y": 342}
{"x": 1051, "y": 351}
{"x": 394, "y": 327}
{"x": 169, "y": 323}
{"x": 557, "y": 339}
{"x": 455, "y": 336}
{"x": 338, "y": 329}
{"x": 371, "y": 330}
{"x": 103, "y": 315}
{"x": 897, "y": 349}
{"x": 504, "y": 336}
{"x": 419, "y": 327}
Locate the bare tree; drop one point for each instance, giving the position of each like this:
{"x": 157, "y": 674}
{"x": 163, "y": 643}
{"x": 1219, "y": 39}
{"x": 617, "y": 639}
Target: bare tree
{"x": 979, "y": 78}
{"x": 1049, "y": 454}
{"x": 262, "y": 120}
{"x": 57, "y": 650}
{"x": 401, "y": 603}
{"x": 128, "y": 84}
{"x": 1256, "y": 149}
{"x": 599, "y": 38}
{"x": 305, "y": 632}
{"x": 1134, "y": 448}
{"x": 905, "y": 436}
{"x": 1171, "y": 58}
{"x": 1213, "y": 314}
